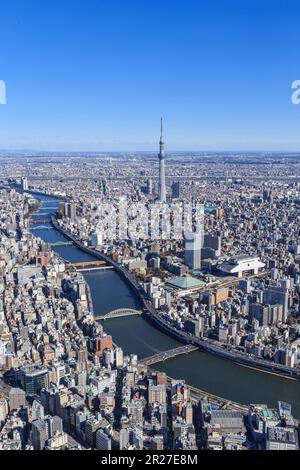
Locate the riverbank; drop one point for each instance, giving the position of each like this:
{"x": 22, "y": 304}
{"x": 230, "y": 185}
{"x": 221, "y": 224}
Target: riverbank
{"x": 197, "y": 394}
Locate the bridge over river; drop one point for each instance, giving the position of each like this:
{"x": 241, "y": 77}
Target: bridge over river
{"x": 87, "y": 265}
{"x": 61, "y": 244}
{"x": 165, "y": 355}
{"x": 120, "y": 312}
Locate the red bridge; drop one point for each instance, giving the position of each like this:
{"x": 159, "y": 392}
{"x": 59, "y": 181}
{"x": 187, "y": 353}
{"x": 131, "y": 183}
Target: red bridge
{"x": 39, "y": 221}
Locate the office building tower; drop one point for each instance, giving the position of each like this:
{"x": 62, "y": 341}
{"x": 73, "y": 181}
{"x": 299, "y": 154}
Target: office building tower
{"x": 103, "y": 441}
{"x": 119, "y": 357}
{"x": 72, "y": 212}
{"x": 69, "y": 210}
{"x": 260, "y": 313}
{"x": 55, "y": 425}
{"x": 51, "y": 401}
{"x": 157, "y": 394}
{"x": 176, "y": 193}
{"x": 91, "y": 427}
{"x": 245, "y": 285}
{"x": 149, "y": 187}
{"x": 39, "y": 434}
{"x": 158, "y": 442}
{"x": 34, "y": 379}
{"x": 214, "y": 242}
{"x": 193, "y": 245}
{"x": 108, "y": 358}
{"x": 193, "y": 326}
{"x": 188, "y": 413}
{"x": 3, "y": 410}
{"x": 277, "y": 295}
{"x": 24, "y": 184}
{"x": 135, "y": 412}
{"x": 96, "y": 239}
{"x": 36, "y": 411}
{"x": 59, "y": 372}
{"x": 124, "y": 438}
{"x": 137, "y": 438}
{"x": 162, "y": 176}
{"x": 104, "y": 188}
{"x": 100, "y": 343}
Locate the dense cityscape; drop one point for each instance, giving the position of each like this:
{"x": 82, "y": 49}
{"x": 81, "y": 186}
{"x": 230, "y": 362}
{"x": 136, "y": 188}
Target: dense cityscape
{"x": 230, "y": 288}
{"x": 149, "y": 232}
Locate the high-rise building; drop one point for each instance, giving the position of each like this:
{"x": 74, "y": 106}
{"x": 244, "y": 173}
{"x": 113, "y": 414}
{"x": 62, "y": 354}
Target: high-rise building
{"x": 214, "y": 242}
{"x": 135, "y": 412}
{"x": 124, "y": 438}
{"x": 277, "y": 295}
{"x": 104, "y": 188}
{"x": 149, "y": 187}
{"x": 69, "y": 210}
{"x": 193, "y": 245}
{"x": 39, "y": 434}
{"x": 176, "y": 193}
{"x": 119, "y": 357}
{"x": 55, "y": 425}
{"x": 101, "y": 343}
{"x": 36, "y": 411}
{"x": 72, "y": 211}
{"x": 157, "y": 394}
{"x": 34, "y": 379}
{"x": 103, "y": 441}
{"x": 96, "y": 239}
{"x": 91, "y": 427}
{"x": 158, "y": 442}
{"x": 137, "y": 438}
{"x": 3, "y": 410}
{"x": 162, "y": 176}
{"x": 24, "y": 183}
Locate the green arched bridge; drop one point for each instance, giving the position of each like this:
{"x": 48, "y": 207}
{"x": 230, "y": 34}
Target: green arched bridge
{"x": 120, "y": 312}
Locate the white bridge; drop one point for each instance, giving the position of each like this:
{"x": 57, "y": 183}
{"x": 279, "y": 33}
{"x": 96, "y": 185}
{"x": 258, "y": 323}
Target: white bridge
{"x": 119, "y": 313}
{"x": 42, "y": 227}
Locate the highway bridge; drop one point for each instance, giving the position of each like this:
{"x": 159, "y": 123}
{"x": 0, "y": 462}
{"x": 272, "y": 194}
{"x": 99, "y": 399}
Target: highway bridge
{"x": 119, "y": 313}
{"x": 61, "y": 244}
{"x": 42, "y": 227}
{"x": 86, "y": 264}
{"x": 39, "y": 221}
{"x": 39, "y": 213}
{"x": 165, "y": 355}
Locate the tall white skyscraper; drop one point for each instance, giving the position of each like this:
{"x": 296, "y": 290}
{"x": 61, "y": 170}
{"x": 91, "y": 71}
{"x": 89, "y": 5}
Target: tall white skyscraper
{"x": 192, "y": 254}
{"x": 24, "y": 183}
{"x": 162, "y": 176}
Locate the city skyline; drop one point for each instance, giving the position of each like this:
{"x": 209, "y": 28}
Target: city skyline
{"x": 87, "y": 312}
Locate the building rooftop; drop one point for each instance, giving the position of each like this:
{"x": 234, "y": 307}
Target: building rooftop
{"x": 279, "y": 434}
{"x": 185, "y": 282}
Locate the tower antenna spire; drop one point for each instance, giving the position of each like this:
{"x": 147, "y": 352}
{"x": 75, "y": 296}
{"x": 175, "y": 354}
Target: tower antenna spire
{"x": 161, "y": 156}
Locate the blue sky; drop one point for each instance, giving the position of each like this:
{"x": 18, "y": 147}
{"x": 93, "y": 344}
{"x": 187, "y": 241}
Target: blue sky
{"x": 97, "y": 75}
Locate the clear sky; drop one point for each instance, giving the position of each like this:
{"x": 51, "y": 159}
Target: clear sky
{"x": 97, "y": 75}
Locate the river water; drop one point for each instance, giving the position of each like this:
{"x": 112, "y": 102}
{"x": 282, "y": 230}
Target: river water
{"x": 136, "y": 335}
